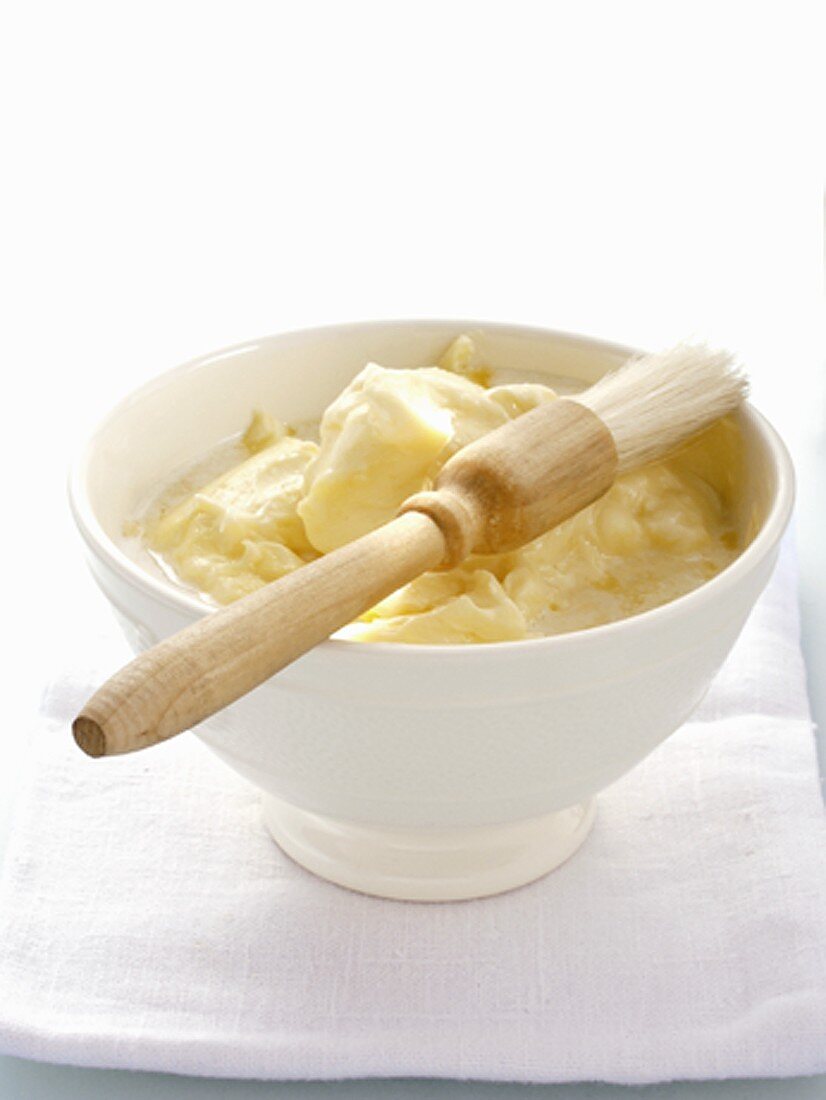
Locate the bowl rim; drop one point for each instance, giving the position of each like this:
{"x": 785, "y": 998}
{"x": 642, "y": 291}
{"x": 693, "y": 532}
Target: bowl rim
{"x": 764, "y": 542}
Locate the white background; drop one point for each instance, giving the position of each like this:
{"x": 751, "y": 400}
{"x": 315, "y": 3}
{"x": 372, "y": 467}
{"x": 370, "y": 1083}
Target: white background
{"x": 182, "y": 176}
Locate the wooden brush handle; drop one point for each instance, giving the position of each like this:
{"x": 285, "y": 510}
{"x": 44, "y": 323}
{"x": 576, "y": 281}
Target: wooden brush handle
{"x": 498, "y": 493}
{"x": 521, "y": 480}
{"x": 210, "y": 664}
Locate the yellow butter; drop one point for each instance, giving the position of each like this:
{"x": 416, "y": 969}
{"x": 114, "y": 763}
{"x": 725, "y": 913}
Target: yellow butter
{"x": 659, "y": 532}
{"x": 387, "y": 436}
{"x": 465, "y": 606}
{"x": 263, "y": 430}
{"x": 242, "y": 529}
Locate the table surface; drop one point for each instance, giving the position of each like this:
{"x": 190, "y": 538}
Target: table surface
{"x": 20, "y": 1078}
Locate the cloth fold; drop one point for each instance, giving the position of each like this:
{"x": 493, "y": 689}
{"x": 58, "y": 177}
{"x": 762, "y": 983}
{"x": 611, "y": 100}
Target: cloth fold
{"x": 147, "y": 921}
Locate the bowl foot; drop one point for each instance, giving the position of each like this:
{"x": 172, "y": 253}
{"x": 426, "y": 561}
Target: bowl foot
{"x": 428, "y": 864}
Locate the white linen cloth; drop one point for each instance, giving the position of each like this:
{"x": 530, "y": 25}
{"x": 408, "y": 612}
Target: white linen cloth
{"x": 147, "y": 920}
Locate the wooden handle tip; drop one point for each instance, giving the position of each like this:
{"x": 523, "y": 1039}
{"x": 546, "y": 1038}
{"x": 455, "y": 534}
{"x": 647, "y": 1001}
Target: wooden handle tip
{"x": 89, "y": 736}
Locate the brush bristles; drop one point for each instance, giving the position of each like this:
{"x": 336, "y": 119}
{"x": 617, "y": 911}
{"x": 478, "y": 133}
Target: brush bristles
{"x": 654, "y": 402}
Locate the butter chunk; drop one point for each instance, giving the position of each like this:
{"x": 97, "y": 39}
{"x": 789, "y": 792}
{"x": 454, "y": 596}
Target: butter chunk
{"x": 463, "y": 607}
{"x": 263, "y": 431}
{"x": 518, "y": 398}
{"x": 386, "y": 437}
{"x": 651, "y": 537}
{"x": 461, "y": 357}
{"x": 242, "y": 530}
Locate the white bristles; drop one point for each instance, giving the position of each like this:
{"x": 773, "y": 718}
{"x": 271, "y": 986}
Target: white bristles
{"x": 654, "y": 402}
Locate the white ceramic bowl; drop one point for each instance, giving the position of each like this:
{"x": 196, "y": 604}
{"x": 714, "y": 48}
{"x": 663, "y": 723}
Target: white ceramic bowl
{"x": 424, "y": 772}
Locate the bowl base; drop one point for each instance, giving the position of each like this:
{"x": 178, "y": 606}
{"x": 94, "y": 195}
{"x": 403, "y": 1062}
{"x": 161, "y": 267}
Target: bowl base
{"x": 428, "y": 864}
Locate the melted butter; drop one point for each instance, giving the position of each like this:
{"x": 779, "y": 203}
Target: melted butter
{"x": 279, "y": 499}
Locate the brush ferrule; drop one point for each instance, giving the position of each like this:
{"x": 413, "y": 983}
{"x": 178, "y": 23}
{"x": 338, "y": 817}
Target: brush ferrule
{"x": 457, "y": 517}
